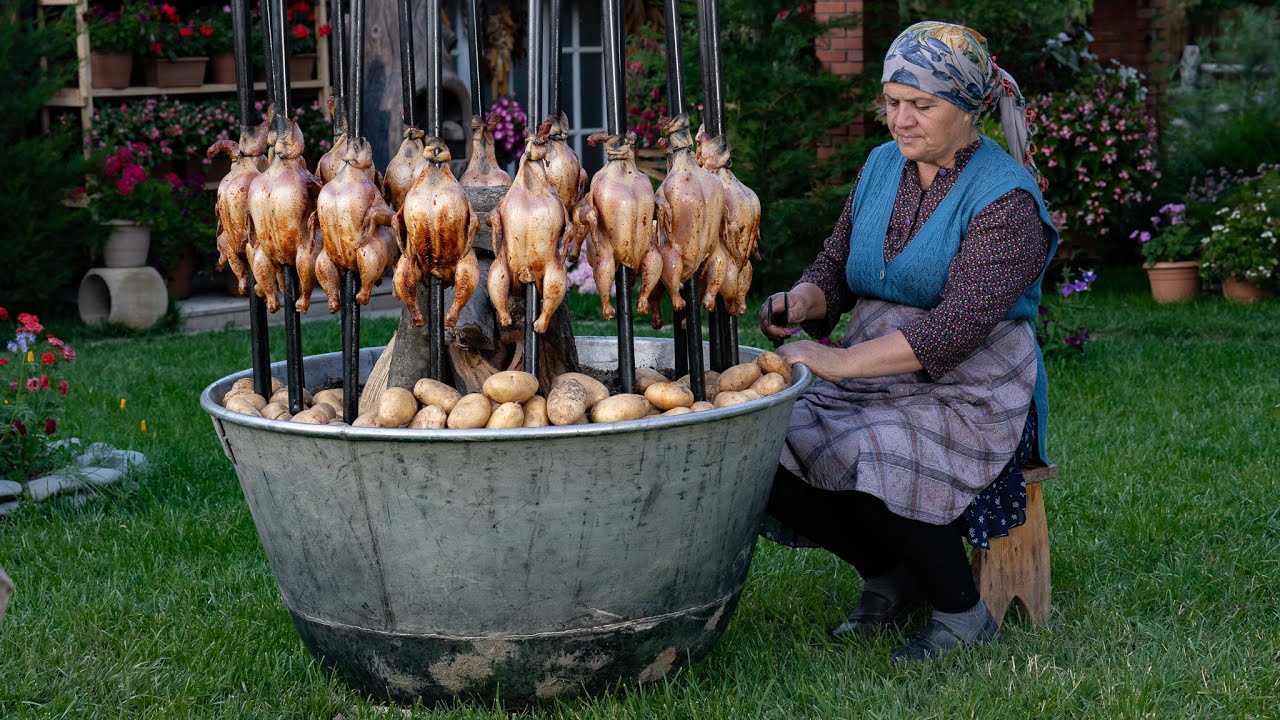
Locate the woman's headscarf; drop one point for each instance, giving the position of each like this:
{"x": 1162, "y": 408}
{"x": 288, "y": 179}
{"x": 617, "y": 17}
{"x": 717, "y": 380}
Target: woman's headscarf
{"x": 953, "y": 63}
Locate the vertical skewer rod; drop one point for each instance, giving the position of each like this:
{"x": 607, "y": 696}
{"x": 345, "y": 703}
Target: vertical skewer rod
{"x": 474, "y": 26}
{"x": 615, "y": 122}
{"x": 259, "y": 351}
{"x": 722, "y": 351}
{"x": 408, "y": 82}
{"x": 553, "y": 62}
{"x": 534, "y": 112}
{"x": 350, "y": 346}
{"x": 691, "y": 358}
{"x": 355, "y": 80}
{"x": 338, "y": 63}
{"x": 435, "y": 286}
{"x": 293, "y": 341}
{"x": 278, "y": 64}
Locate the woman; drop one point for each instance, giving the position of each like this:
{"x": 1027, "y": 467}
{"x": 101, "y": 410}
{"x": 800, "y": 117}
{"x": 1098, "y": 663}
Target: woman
{"x": 915, "y": 434}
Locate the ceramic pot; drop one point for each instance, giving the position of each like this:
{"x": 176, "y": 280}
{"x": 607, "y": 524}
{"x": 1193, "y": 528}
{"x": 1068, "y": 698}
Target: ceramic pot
{"x": 223, "y": 68}
{"x": 110, "y": 70}
{"x": 133, "y": 296}
{"x": 1238, "y": 291}
{"x": 302, "y": 67}
{"x": 1174, "y": 281}
{"x": 180, "y": 72}
{"x": 127, "y": 245}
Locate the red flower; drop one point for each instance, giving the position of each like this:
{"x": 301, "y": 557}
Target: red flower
{"x": 63, "y": 387}
{"x": 33, "y": 384}
{"x": 17, "y": 425}
{"x": 4, "y": 361}
{"x": 48, "y": 358}
{"x": 173, "y": 179}
{"x": 50, "y": 426}
{"x": 324, "y": 30}
{"x": 169, "y": 12}
{"x": 157, "y": 48}
{"x": 186, "y": 31}
{"x": 30, "y": 322}
{"x": 205, "y": 30}
{"x": 44, "y": 382}
{"x": 4, "y": 314}
{"x": 68, "y": 354}
{"x": 300, "y": 31}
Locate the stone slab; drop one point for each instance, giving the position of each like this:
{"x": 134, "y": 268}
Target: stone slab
{"x": 8, "y": 508}
{"x": 103, "y": 455}
{"x": 10, "y": 489}
{"x": 43, "y": 488}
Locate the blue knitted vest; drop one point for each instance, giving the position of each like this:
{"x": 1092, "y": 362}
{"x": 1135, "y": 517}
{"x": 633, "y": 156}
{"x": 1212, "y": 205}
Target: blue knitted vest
{"x": 918, "y": 274}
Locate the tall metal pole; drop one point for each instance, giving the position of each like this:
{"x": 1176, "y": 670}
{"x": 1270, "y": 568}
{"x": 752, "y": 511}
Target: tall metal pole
{"x": 338, "y": 64}
{"x": 435, "y": 286}
{"x": 534, "y": 114}
{"x": 723, "y": 327}
{"x": 615, "y": 93}
{"x": 475, "y": 26}
{"x": 408, "y": 80}
{"x": 350, "y": 277}
{"x": 553, "y": 62}
{"x": 259, "y": 351}
{"x": 691, "y": 316}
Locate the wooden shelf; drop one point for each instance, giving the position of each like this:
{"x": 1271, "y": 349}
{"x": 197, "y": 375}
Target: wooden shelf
{"x": 57, "y": 3}
{"x": 70, "y": 97}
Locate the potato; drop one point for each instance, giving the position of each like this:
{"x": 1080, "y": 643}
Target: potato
{"x": 771, "y": 362}
{"x": 332, "y": 396}
{"x": 325, "y": 409}
{"x": 472, "y": 411}
{"x": 738, "y": 377}
{"x": 366, "y": 420}
{"x": 648, "y": 376}
{"x": 431, "y": 417}
{"x": 335, "y": 411}
{"x": 535, "y": 412}
{"x": 581, "y": 420}
{"x": 702, "y": 406}
{"x": 627, "y": 406}
{"x": 653, "y": 412}
{"x": 312, "y": 417}
{"x": 277, "y": 384}
{"x": 255, "y": 400}
{"x": 396, "y": 407}
{"x": 508, "y": 415}
{"x": 596, "y": 390}
{"x": 243, "y": 406}
{"x": 244, "y": 383}
{"x": 511, "y": 386}
{"x": 434, "y": 392}
{"x": 732, "y": 397}
{"x": 709, "y": 378}
{"x": 667, "y": 395}
{"x": 678, "y": 411}
{"x": 770, "y": 384}
{"x": 234, "y": 393}
{"x": 567, "y": 401}
{"x": 336, "y": 421}
{"x": 274, "y": 411}
{"x": 752, "y": 394}
{"x": 282, "y": 396}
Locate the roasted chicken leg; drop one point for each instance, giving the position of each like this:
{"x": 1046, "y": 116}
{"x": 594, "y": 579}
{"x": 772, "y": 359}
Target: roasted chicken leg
{"x": 357, "y": 225}
{"x": 404, "y": 167}
{"x": 564, "y": 169}
{"x": 728, "y": 271}
{"x": 235, "y": 236}
{"x": 282, "y": 203}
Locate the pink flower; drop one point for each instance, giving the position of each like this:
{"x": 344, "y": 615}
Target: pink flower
{"x": 4, "y": 314}
{"x": 50, "y": 426}
{"x": 63, "y": 387}
{"x": 30, "y": 322}
{"x": 33, "y": 384}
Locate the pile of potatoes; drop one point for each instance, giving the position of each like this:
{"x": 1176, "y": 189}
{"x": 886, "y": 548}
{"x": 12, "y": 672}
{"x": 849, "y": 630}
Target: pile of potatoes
{"x": 511, "y": 399}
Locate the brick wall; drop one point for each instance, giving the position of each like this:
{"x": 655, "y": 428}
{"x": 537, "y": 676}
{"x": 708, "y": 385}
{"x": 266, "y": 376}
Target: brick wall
{"x": 845, "y": 51}
{"x": 1145, "y": 34}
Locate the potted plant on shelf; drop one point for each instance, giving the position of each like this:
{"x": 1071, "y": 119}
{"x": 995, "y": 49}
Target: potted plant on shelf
{"x": 114, "y": 35}
{"x": 1170, "y": 255}
{"x": 177, "y": 49}
{"x": 125, "y": 197}
{"x": 301, "y": 17}
{"x": 1243, "y": 248}
{"x": 221, "y": 45}
{"x": 183, "y": 232}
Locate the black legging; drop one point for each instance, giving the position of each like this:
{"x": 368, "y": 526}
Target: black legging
{"x": 859, "y": 529}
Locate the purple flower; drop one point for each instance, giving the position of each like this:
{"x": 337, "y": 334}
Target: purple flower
{"x": 1067, "y": 289}
{"x": 1080, "y": 286}
{"x": 1089, "y": 276}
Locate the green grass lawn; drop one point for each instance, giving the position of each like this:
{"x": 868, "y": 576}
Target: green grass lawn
{"x": 157, "y": 601}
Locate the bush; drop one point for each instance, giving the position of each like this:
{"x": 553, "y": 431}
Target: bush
{"x": 1244, "y": 245}
{"x": 47, "y": 244}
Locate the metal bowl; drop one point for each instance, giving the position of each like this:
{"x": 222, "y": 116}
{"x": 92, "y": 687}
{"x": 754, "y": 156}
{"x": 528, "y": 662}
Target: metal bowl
{"x": 528, "y": 563}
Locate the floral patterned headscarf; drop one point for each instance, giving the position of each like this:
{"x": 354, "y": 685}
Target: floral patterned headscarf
{"x": 953, "y": 63}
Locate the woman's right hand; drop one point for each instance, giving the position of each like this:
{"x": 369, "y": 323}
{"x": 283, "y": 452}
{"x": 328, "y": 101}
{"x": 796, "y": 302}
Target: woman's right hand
{"x": 781, "y": 312}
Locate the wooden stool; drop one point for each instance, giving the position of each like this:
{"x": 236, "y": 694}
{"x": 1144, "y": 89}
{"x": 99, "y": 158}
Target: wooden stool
{"x": 1017, "y": 566}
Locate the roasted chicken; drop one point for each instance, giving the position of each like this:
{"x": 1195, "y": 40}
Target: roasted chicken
{"x": 689, "y": 208}
{"x": 360, "y": 231}
{"x": 728, "y": 271}
{"x": 235, "y": 228}
{"x": 404, "y": 167}
{"x": 564, "y": 170}
{"x": 617, "y": 212}
{"x": 482, "y": 169}
{"x": 531, "y": 233}
{"x": 440, "y": 227}
{"x": 282, "y": 203}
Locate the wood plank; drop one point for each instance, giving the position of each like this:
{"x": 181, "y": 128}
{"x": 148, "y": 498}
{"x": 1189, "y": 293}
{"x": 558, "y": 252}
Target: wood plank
{"x": 211, "y": 89}
{"x": 1036, "y": 473}
{"x": 1016, "y": 567}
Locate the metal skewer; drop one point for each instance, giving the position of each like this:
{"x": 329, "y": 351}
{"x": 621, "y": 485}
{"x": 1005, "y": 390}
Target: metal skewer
{"x": 692, "y": 315}
{"x": 351, "y": 277}
{"x": 723, "y": 331}
{"x": 477, "y": 52}
{"x": 615, "y": 93}
{"x": 553, "y": 62}
{"x": 338, "y": 64}
{"x": 435, "y": 286}
{"x": 534, "y": 112}
{"x": 259, "y": 350}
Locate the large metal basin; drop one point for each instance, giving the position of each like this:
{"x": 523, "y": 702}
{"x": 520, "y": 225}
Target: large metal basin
{"x": 528, "y": 563}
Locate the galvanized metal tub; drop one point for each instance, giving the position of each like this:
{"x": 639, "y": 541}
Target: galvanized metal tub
{"x": 529, "y": 563}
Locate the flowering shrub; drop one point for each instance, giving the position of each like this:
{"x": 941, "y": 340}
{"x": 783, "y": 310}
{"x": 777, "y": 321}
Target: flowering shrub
{"x": 171, "y": 37}
{"x": 221, "y": 39}
{"x": 1245, "y": 244}
{"x": 117, "y": 31}
{"x": 1059, "y": 329}
{"x": 301, "y": 18}
{"x": 33, "y": 392}
{"x": 124, "y": 190}
{"x": 1096, "y": 148}
{"x": 1174, "y": 239}
{"x": 508, "y": 135}
{"x": 646, "y": 80}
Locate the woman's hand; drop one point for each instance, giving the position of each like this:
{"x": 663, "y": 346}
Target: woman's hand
{"x": 827, "y": 362}
{"x": 782, "y": 311}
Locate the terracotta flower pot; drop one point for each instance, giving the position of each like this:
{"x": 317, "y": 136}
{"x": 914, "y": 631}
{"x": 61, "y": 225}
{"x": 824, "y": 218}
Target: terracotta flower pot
{"x": 302, "y": 67}
{"x": 1238, "y": 291}
{"x": 223, "y": 68}
{"x": 181, "y": 72}
{"x": 127, "y": 245}
{"x": 110, "y": 70}
{"x": 1174, "y": 281}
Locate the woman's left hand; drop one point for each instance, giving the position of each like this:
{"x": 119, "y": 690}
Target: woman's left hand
{"x": 827, "y": 362}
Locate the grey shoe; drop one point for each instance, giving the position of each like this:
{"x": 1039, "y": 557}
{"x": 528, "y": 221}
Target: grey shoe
{"x": 939, "y": 636}
{"x": 875, "y": 612}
